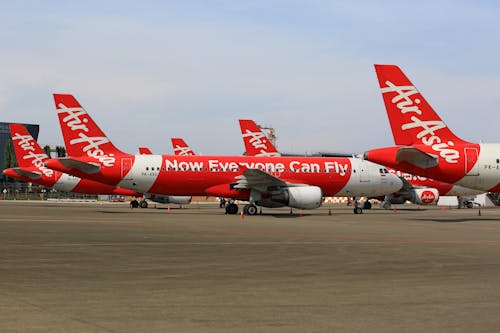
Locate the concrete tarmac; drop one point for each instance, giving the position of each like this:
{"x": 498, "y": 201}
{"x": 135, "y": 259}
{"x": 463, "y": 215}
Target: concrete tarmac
{"x": 107, "y": 268}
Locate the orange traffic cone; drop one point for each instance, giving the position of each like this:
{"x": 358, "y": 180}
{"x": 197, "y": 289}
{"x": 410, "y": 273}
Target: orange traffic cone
{"x": 242, "y": 216}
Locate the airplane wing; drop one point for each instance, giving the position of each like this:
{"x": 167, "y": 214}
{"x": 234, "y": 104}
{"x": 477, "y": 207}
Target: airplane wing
{"x": 416, "y": 157}
{"x": 261, "y": 181}
{"x": 27, "y": 173}
{"x": 71, "y": 163}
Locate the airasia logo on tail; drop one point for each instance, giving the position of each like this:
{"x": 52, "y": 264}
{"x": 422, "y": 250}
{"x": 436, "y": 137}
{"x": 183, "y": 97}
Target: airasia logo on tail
{"x": 257, "y": 140}
{"x": 427, "y": 197}
{"x": 183, "y": 151}
{"x": 429, "y": 128}
{"x": 75, "y": 123}
{"x": 27, "y": 143}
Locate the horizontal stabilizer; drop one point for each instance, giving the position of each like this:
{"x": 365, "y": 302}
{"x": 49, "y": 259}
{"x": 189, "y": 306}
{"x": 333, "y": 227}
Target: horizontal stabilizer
{"x": 416, "y": 157}
{"x": 27, "y": 173}
{"x": 86, "y": 167}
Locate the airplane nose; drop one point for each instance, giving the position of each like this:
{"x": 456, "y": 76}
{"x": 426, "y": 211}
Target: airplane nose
{"x": 395, "y": 183}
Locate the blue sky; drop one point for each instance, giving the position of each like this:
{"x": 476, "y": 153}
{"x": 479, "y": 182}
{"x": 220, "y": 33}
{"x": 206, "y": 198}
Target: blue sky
{"x": 150, "y": 70}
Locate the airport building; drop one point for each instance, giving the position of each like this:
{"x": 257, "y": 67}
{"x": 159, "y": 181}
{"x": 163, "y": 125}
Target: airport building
{"x": 5, "y": 138}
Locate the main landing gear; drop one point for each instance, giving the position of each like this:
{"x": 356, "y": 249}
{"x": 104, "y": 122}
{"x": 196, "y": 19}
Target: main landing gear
{"x": 249, "y": 209}
{"x": 358, "y": 209}
{"x": 231, "y": 209}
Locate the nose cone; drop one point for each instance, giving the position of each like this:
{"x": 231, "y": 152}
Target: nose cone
{"x": 394, "y": 183}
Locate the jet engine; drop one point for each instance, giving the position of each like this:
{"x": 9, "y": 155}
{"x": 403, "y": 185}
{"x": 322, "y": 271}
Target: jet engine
{"x": 302, "y": 197}
{"x": 425, "y": 196}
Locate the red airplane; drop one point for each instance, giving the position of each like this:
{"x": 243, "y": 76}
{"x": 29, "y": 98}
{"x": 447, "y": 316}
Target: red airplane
{"x": 425, "y": 146}
{"x": 31, "y": 157}
{"x": 416, "y": 189}
{"x": 297, "y": 182}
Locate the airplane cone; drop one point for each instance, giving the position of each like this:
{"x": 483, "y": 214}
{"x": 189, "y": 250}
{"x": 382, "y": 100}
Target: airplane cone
{"x": 242, "y": 216}
{"x": 168, "y": 210}
{"x": 394, "y": 210}
{"x": 300, "y": 212}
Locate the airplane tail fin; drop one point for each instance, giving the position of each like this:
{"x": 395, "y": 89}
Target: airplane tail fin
{"x": 81, "y": 134}
{"x": 145, "y": 151}
{"x": 256, "y": 142}
{"x": 412, "y": 119}
{"x": 181, "y": 147}
{"x": 28, "y": 151}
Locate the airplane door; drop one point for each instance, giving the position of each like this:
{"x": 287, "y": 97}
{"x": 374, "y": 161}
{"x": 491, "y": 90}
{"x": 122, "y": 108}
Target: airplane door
{"x": 471, "y": 157}
{"x": 126, "y": 166}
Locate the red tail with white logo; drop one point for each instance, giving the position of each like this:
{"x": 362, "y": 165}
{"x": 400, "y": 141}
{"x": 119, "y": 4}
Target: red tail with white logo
{"x": 413, "y": 120}
{"x": 28, "y": 151}
{"x": 256, "y": 142}
{"x": 145, "y": 151}
{"x": 81, "y": 134}
{"x": 181, "y": 148}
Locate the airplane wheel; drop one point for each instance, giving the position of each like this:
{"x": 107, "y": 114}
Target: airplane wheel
{"x": 232, "y": 209}
{"x": 251, "y": 210}
{"x": 143, "y": 204}
{"x": 358, "y": 210}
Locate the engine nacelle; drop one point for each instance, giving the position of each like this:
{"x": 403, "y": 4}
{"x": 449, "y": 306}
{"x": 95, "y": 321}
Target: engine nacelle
{"x": 175, "y": 199}
{"x": 303, "y": 197}
{"x": 425, "y": 196}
